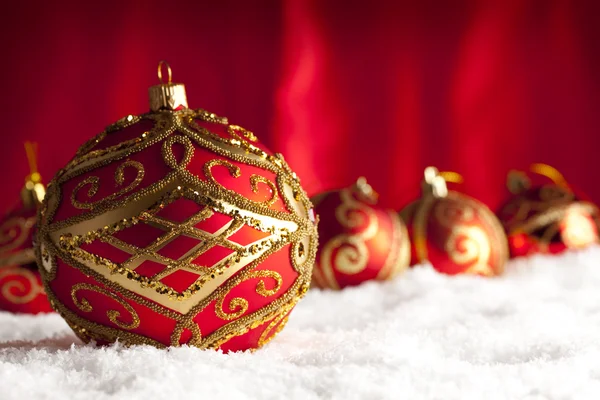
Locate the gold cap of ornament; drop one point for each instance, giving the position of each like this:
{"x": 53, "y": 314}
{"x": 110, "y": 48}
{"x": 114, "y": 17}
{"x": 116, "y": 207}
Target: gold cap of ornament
{"x": 366, "y": 190}
{"x": 167, "y": 96}
{"x": 34, "y": 191}
{"x": 434, "y": 182}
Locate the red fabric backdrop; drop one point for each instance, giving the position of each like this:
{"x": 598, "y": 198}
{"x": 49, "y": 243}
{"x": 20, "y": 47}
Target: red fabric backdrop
{"x": 343, "y": 89}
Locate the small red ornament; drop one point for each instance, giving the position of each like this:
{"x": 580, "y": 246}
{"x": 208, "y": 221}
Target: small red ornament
{"x": 547, "y": 218}
{"x": 21, "y": 289}
{"x": 454, "y": 232}
{"x": 358, "y": 240}
{"x": 175, "y": 227}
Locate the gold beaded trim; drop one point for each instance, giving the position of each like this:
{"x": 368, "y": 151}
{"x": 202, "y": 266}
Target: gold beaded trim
{"x": 303, "y": 238}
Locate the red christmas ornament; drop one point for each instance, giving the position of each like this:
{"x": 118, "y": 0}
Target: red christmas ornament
{"x": 547, "y": 218}
{"x": 176, "y": 227}
{"x": 454, "y": 232}
{"x": 358, "y": 240}
{"x": 21, "y": 289}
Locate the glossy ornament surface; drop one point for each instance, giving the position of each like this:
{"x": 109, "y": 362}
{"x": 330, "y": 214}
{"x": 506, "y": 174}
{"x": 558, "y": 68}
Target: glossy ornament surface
{"x": 455, "y": 233}
{"x": 359, "y": 241}
{"x": 176, "y": 227}
{"x": 548, "y": 217}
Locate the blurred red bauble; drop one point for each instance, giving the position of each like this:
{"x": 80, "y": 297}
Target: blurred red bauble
{"x": 454, "y": 232}
{"x": 549, "y": 217}
{"x": 21, "y": 289}
{"x": 358, "y": 240}
{"x": 176, "y": 228}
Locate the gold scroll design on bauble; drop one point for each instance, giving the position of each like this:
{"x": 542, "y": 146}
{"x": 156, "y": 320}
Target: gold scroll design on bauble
{"x": 253, "y": 213}
{"x": 276, "y": 324}
{"x": 12, "y": 287}
{"x": 86, "y": 152}
{"x": 352, "y": 253}
{"x": 235, "y": 172}
{"x": 276, "y": 239}
{"x": 113, "y": 315}
{"x": 238, "y": 305}
{"x": 14, "y": 233}
{"x": 240, "y": 136}
{"x": 466, "y": 244}
{"x": 93, "y": 183}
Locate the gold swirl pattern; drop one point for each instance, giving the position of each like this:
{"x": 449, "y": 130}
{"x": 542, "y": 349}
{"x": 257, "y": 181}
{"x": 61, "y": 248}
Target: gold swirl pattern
{"x": 14, "y": 232}
{"x": 466, "y": 244}
{"x": 398, "y": 257}
{"x": 169, "y": 157}
{"x": 179, "y": 142}
{"x": 245, "y": 134}
{"x": 235, "y": 172}
{"x": 256, "y": 179}
{"x": 238, "y": 305}
{"x": 276, "y": 325}
{"x": 13, "y": 285}
{"x": 196, "y": 338}
{"x": 94, "y": 181}
{"x": 113, "y": 315}
{"x": 351, "y": 257}
{"x": 352, "y": 252}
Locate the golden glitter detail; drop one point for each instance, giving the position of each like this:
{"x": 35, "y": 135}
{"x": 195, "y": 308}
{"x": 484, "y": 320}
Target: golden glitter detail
{"x": 276, "y": 325}
{"x": 238, "y": 305}
{"x": 113, "y": 315}
{"x": 94, "y": 182}
{"x": 13, "y": 234}
{"x": 57, "y": 240}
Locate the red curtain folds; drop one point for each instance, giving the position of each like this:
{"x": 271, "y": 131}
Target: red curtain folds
{"x": 343, "y": 89}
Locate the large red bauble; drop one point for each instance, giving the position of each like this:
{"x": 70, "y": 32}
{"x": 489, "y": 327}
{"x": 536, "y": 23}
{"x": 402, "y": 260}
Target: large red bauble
{"x": 454, "y": 232}
{"x": 21, "y": 289}
{"x": 175, "y": 227}
{"x": 358, "y": 240}
{"x": 547, "y": 218}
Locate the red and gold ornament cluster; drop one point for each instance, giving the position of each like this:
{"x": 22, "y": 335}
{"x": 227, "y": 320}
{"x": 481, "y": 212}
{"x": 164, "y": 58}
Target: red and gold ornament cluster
{"x": 548, "y": 217}
{"x": 455, "y": 233}
{"x": 176, "y": 227}
{"x": 360, "y": 241}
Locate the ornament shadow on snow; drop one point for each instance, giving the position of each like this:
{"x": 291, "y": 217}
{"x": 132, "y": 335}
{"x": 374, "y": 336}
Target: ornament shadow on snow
{"x": 21, "y": 289}
{"x": 456, "y": 233}
{"x": 547, "y": 218}
{"x": 176, "y": 227}
{"x": 359, "y": 241}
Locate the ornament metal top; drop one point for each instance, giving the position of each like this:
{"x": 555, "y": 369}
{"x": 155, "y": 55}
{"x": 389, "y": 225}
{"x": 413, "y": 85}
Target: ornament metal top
{"x": 175, "y": 227}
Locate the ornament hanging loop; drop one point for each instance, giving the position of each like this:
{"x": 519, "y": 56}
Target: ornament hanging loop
{"x": 167, "y": 96}
{"x": 162, "y": 63}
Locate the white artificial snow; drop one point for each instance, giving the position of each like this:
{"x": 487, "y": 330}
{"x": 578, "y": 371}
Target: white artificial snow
{"x": 531, "y": 334}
